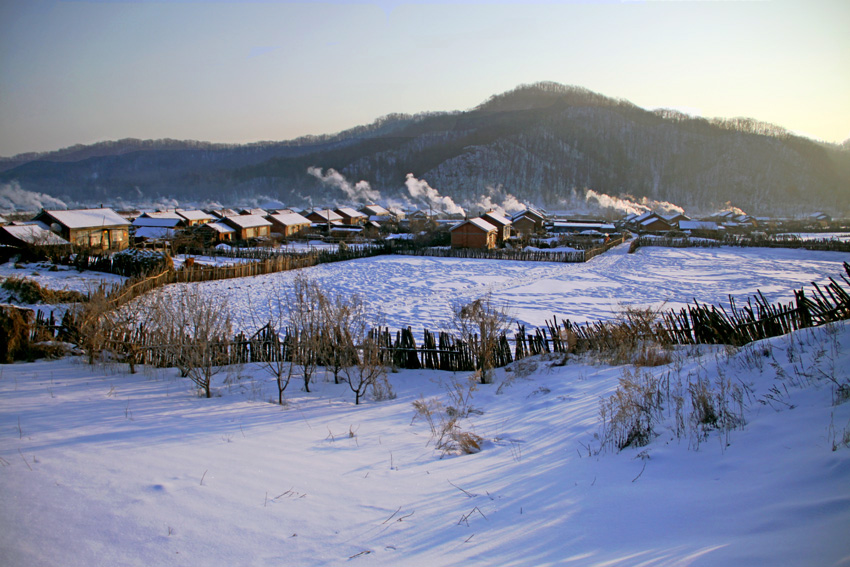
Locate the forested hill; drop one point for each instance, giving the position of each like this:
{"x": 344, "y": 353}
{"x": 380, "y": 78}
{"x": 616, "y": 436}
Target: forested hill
{"x": 542, "y": 143}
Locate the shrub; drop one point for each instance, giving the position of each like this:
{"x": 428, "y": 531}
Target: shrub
{"x": 30, "y": 291}
{"x": 629, "y": 415}
{"x": 15, "y": 332}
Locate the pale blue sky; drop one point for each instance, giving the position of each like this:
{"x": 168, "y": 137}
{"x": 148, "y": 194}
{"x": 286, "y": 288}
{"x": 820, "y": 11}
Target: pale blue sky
{"x": 80, "y": 72}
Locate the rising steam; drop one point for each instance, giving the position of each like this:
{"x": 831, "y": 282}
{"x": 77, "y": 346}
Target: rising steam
{"x": 420, "y": 190}
{"x": 361, "y": 192}
{"x": 13, "y": 198}
{"x": 630, "y": 205}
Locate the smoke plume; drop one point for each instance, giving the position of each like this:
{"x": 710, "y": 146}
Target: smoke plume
{"x": 630, "y": 205}
{"x": 13, "y": 198}
{"x": 361, "y": 192}
{"x": 419, "y": 189}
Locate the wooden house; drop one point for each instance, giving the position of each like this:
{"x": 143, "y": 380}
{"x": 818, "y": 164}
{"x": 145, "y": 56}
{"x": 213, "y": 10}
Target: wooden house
{"x": 324, "y": 216}
{"x": 248, "y": 226}
{"x": 216, "y": 232}
{"x": 30, "y": 234}
{"x": 528, "y": 221}
{"x": 194, "y": 217}
{"x": 98, "y": 229}
{"x": 350, "y": 216}
{"x": 474, "y": 233}
{"x": 502, "y": 223}
{"x": 375, "y": 211}
{"x": 289, "y": 224}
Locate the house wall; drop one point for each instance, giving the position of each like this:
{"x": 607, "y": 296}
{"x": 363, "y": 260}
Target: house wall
{"x": 98, "y": 238}
{"x": 470, "y": 236}
{"x": 525, "y": 225}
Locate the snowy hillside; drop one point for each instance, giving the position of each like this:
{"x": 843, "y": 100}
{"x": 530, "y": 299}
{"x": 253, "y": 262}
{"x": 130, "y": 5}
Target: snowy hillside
{"x": 99, "y": 467}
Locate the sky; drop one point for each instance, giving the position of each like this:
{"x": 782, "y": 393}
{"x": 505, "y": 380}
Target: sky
{"x": 81, "y": 72}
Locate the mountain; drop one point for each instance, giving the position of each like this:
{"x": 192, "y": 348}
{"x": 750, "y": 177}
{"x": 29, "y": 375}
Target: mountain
{"x": 543, "y": 144}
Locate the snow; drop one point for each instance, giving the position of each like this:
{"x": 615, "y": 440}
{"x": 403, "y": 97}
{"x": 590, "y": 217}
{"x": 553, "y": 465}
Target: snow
{"x": 65, "y": 278}
{"x": 419, "y": 292}
{"x": 99, "y": 467}
{"x": 85, "y": 218}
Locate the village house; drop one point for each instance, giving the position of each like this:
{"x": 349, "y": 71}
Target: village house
{"x": 194, "y": 217}
{"x": 375, "y": 211}
{"x": 30, "y": 234}
{"x": 221, "y": 213}
{"x": 474, "y": 233}
{"x": 528, "y": 221}
{"x": 216, "y": 232}
{"x": 350, "y": 216}
{"x": 502, "y": 224}
{"x": 248, "y": 226}
{"x": 288, "y": 224}
{"x": 158, "y": 226}
{"x": 256, "y": 211}
{"x": 324, "y": 216}
{"x": 99, "y": 229}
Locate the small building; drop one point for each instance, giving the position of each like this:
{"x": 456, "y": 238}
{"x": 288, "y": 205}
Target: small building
{"x": 288, "y": 224}
{"x": 30, "y": 234}
{"x": 194, "y": 217}
{"x": 375, "y": 211}
{"x": 502, "y": 223}
{"x": 705, "y": 228}
{"x": 222, "y": 213}
{"x": 474, "y": 233}
{"x": 99, "y": 229}
{"x": 324, "y": 216}
{"x": 248, "y": 226}
{"x": 216, "y": 232}
{"x": 654, "y": 223}
{"x": 3, "y": 221}
{"x": 256, "y": 211}
{"x": 528, "y": 221}
{"x": 350, "y": 216}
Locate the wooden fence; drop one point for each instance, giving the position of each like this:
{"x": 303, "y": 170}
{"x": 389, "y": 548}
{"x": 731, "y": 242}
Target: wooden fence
{"x": 697, "y": 324}
{"x": 823, "y": 244}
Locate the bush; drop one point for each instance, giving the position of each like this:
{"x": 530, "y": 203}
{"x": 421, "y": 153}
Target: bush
{"x": 137, "y": 262}
{"x": 29, "y": 291}
{"x": 14, "y": 333}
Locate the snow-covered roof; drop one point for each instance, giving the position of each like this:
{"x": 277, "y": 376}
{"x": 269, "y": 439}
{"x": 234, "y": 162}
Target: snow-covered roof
{"x": 87, "y": 218}
{"x": 195, "y": 215}
{"x": 161, "y": 215}
{"x": 3, "y": 221}
{"x": 169, "y": 222}
{"x": 34, "y": 234}
{"x": 289, "y": 219}
{"x": 255, "y": 211}
{"x": 349, "y": 212}
{"x": 154, "y": 232}
{"x": 477, "y": 221}
{"x": 248, "y": 221}
{"x": 326, "y": 214}
{"x": 375, "y": 210}
{"x": 698, "y": 225}
{"x": 219, "y": 227}
{"x": 582, "y": 225}
{"x": 495, "y": 218}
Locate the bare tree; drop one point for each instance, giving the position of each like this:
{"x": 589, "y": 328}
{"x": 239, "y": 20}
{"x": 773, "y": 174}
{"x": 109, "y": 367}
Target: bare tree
{"x": 344, "y": 318}
{"x": 305, "y": 302}
{"x": 368, "y": 370}
{"x": 193, "y": 328}
{"x": 482, "y": 324}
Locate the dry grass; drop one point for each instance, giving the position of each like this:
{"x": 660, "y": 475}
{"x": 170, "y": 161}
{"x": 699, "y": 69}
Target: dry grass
{"x": 31, "y": 292}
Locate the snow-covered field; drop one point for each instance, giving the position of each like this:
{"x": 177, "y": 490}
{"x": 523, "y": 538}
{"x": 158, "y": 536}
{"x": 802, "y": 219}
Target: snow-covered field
{"x": 420, "y": 291}
{"x": 99, "y": 467}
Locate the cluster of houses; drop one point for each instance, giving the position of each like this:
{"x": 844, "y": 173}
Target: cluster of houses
{"x": 106, "y": 230}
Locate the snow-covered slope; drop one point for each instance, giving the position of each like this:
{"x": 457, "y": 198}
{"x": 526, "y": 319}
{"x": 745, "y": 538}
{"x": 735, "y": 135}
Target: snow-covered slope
{"x": 99, "y": 467}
